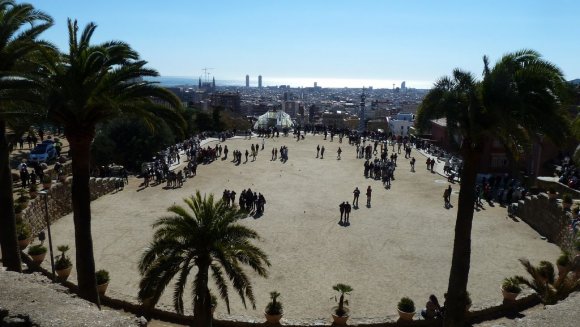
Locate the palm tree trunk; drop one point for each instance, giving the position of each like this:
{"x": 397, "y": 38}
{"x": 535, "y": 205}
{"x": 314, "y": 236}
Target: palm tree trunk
{"x": 456, "y": 300}
{"x": 8, "y": 239}
{"x": 80, "y": 143}
{"x": 202, "y": 302}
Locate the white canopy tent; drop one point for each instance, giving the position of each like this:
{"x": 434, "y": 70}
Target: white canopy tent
{"x": 278, "y": 119}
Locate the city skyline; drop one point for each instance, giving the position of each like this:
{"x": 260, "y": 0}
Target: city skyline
{"x": 364, "y": 41}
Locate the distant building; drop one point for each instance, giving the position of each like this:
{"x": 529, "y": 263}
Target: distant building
{"x": 401, "y": 123}
{"x": 247, "y": 80}
{"x": 260, "y": 81}
{"x": 226, "y": 100}
{"x": 403, "y": 86}
{"x": 315, "y": 84}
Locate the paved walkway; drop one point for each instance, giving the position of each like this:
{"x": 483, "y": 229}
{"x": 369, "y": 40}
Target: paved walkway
{"x": 400, "y": 246}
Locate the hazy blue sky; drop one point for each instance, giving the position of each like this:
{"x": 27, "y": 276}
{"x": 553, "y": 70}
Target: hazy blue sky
{"x": 364, "y": 39}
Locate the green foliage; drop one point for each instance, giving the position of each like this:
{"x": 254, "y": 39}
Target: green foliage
{"x": 549, "y": 289}
{"x": 130, "y": 142}
{"x": 23, "y": 231}
{"x": 511, "y": 285}
{"x": 62, "y": 261}
{"x": 46, "y": 179}
{"x": 343, "y": 289}
{"x": 19, "y": 207}
{"x": 37, "y": 249}
{"x": 406, "y": 305}
{"x": 102, "y": 276}
{"x": 567, "y": 198}
{"x": 205, "y": 233}
{"x": 563, "y": 259}
{"x": 203, "y": 121}
{"x": 275, "y": 307}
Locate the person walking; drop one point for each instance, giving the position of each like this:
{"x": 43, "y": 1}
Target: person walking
{"x": 322, "y": 152}
{"x": 413, "y": 164}
{"x": 339, "y": 151}
{"x": 369, "y": 193}
{"x": 356, "y": 193}
{"x": 341, "y": 207}
{"x": 317, "y": 151}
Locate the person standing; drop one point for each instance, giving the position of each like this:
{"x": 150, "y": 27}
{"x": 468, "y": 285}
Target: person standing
{"x": 413, "y": 164}
{"x": 356, "y": 193}
{"x": 369, "y": 193}
{"x": 347, "y": 209}
{"x": 341, "y": 207}
{"x": 339, "y": 151}
{"x": 322, "y": 152}
{"x": 317, "y": 151}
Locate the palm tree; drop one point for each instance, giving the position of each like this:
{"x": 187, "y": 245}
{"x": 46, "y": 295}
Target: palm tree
{"x": 515, "y": 101}
{"x": 208, "y": 238}
{"x": 543, "y": 280}
{"x": 20, "y": 26}
{"x": 86, "y": 86}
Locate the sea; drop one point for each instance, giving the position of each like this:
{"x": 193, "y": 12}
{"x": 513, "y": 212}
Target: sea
{"x": 171, "y": 81}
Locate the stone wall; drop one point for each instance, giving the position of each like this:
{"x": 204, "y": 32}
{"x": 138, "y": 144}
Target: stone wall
{"x": 548, "y": 218}
{"x": 59, "y": 201}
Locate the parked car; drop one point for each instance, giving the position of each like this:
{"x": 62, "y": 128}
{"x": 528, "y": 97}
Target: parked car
{"x": 44, "y": 152}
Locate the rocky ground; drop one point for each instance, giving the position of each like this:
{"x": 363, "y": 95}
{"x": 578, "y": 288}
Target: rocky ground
{"x": 33, "y": 300}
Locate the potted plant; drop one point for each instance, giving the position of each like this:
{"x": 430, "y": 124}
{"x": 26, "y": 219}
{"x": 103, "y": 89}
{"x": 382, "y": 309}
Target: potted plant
{"x": 406, "y": 308}
{"x": 24, "y": 235}
{"x": 340, "y": 315}
{"x": 37, "y": 253}
{"x": 567, "y": 201}
{"x": 63, "y": 265}
{"x": 33, "y": 191}
{"x": 552, "y": 193}
{"x": 18, "y": 209}
{"x": 274, "y": 309}
{"x": 46, "y": 181}
{"x": 510, "y": 288}
{"x": 102, "y": 281}
{"x": 563, "y": 263}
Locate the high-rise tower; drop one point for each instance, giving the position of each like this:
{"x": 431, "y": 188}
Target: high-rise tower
{"x": 247, "y": 80}
{"x": 260, "y": 81}
{"x": 361, "y": 114}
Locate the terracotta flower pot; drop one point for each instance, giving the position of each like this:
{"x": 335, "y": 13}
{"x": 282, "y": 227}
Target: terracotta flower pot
{"x": 406, "y": 315}
{"x": 508, "y": 296}
{"x": 63, "y": 273}
{"x": 101, "y": 289}
{"x": 339, "y": 320}
{"x": 38, "y": 258}
{"x": 22, "y": 244}
{"x": 273, "y": 319}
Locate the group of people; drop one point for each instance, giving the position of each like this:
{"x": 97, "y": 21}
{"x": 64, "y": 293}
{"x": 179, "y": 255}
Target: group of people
{"x": 251, "y": 201}
{"x": 345, "y": 208}
{"x": 380, "y": 169}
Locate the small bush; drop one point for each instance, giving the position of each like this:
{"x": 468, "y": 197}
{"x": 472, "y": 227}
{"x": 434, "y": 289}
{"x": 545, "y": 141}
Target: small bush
{"x": 567, "y": 198}
{"x": 563, "y": 260}
{"x": 23, "y": 231}
{"x": 275, "y": 307}
{"x": 37, "y": 249}
{"x": 511, "y": 285}
{"x": 62, "y": 262}
{"x": 406, "y": 305}
{"x": 102, "y": 277}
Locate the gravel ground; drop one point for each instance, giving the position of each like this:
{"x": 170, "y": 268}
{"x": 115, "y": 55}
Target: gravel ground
{"x": 400, "y": 246}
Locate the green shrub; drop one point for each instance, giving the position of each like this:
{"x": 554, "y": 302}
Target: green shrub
{"x": 406, "y": 305}
{"x": 23, "y": 231}
{"x": 62, "y": 262}
{"x": 102, "y": 277}
{"x": 46, "y": 179}
{"x": 37, "y": 249}
{"x": 511, "y": 285}
{"x": 563, "y": 259}
{"x": 567, "y": 198}
{"x": 341, "y": 310}
{"x": 274, "y": 307}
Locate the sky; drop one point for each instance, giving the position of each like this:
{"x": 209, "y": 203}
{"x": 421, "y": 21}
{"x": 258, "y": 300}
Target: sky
{"x": 339, "y": 40}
